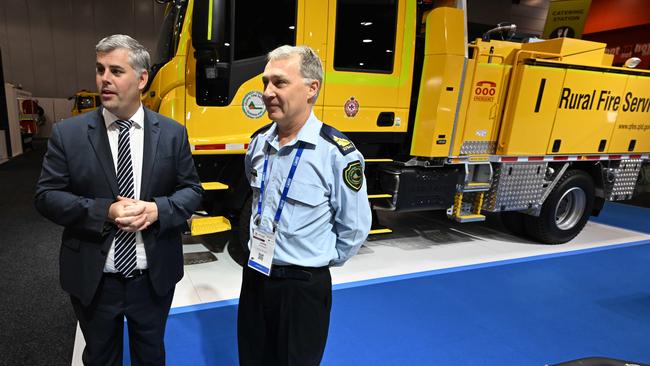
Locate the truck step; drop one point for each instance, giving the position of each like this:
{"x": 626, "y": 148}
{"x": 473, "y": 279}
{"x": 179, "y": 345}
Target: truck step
{"x": 214, "y": 186}
{"x": 378, "y": 160}
{"x": 209, "y": 225}
{"x": 477, "y": 187}
{"x": 469, "y": 218}
{"x": 382, "y": 195}
{"x": 382, "y": 230}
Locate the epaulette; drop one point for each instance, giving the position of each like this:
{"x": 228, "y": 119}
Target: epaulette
{"x": 261, "y": 129}
{"x": 337, "y": 137}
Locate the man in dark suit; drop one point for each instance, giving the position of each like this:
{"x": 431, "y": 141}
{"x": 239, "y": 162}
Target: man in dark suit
{"x": 122, "y": 182}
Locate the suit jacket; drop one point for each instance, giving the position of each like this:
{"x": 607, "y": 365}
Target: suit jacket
{"x": 78, "y": 184}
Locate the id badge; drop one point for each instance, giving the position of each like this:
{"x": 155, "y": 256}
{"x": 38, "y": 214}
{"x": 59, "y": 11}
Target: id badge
{"x": 262, "y": 248}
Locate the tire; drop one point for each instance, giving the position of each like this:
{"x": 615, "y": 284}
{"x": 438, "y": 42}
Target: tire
{"x": 514, "y": 222}
{"x": 565, "y": 211}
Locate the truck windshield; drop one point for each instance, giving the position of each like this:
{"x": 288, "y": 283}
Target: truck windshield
{"x": 232, "y": 38}
{"x": 170, "y": 33}
{"x": 271, "y": 24}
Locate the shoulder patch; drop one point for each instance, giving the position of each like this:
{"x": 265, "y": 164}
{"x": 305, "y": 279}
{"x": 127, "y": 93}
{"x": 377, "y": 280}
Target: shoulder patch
{"x": 353, "y": 175}
{"x": 261, "y": 130}
{"x": 337, "y": 137}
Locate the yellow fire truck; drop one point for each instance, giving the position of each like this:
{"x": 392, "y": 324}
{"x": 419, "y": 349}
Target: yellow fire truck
{"x": 541, "y": 132}
{"x": 85, "y": 101}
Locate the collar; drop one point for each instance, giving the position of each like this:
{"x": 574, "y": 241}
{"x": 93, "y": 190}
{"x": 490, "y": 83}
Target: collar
{"x": 309, "y": 133}
{"x": 137, "y": 117}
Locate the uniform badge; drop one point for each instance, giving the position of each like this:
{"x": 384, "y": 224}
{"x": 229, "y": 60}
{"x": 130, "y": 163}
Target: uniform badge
{"x": 351, "y": 107}
{"x": 353, "y": 175}
{"x": 343, "y": 143}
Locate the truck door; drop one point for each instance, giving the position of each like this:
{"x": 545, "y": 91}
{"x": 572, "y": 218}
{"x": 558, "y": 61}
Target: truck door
{"x": 369, "y": 64}
{"x": 231, "y": 40}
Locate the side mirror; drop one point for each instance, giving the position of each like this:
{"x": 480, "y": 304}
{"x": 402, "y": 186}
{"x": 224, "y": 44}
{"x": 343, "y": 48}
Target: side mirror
{"x": 506, "y": 31}
{"x": 211, "y": 25}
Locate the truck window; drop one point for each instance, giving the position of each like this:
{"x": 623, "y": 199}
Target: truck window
{"x": 261, "y": 26}
{"x": 365, "y": 35}
{"x": 170, "y": 33}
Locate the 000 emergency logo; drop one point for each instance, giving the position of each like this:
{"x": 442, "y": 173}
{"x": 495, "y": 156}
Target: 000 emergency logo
{"x": 484, "y": 91}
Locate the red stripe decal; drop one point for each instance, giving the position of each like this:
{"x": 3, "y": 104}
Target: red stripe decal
{"x": 210, "y": 147}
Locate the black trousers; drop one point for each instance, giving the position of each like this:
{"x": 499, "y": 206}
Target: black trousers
{"x": 102, "y": 322}
{"x": 284, "y": 320}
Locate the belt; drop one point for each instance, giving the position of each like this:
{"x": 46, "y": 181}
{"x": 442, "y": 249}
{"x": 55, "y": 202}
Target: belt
{"x": 295, "y": 272}
{"x": 119, "y": 276}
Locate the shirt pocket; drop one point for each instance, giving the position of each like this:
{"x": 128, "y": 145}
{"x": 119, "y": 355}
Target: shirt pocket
{"x": 306, "y": 202}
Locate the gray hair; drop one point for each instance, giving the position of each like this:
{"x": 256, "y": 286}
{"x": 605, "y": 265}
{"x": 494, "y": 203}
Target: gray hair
{"x": 139, "y": 58}
{"x": 311, "y": 67}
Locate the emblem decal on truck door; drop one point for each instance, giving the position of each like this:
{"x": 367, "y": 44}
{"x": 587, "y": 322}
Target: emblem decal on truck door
{"x": 351, "y": 107}
{"x": 253, "y": 105}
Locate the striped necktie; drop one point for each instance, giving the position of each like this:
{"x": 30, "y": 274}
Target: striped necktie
{"x": 125, "y": 255}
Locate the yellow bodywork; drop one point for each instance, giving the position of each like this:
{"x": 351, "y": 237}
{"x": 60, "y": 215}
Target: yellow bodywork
{"x": 563, "y": 100}
{"x": 172, "y": 91}
{"x": 489, "y": 103}
{"x": 474, "y": 104}
{"x": 444, "y": 55}
{"x": 209, "y": 225}
{"x": 506, "y": 99}
{"x": 632, "y": 125}
{"x": 85, "y": 101}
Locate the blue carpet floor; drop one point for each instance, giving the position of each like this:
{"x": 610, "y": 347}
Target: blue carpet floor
{"x": 530, "y": 311}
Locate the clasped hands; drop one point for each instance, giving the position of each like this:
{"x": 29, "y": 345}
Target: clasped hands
{"x": 132, "y": 215}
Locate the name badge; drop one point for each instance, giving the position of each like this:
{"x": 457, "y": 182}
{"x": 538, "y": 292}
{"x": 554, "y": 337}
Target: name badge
{"x": 262, "y": 249}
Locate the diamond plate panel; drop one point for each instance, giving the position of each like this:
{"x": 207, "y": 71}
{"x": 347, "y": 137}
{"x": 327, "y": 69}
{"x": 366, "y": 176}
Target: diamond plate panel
{"x": 625, "y": 178}
{"x": 478, "y": 147}
{"x": 516, "y": 186}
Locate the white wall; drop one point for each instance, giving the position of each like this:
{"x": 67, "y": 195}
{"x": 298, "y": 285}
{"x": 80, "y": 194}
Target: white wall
{"x": 56, "y": 109}
{"x": 48, "y": 45}
{"x": 12, "y": 95}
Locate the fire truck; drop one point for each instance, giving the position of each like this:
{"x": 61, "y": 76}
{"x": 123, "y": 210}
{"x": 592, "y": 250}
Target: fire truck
{"x": 541, "y": 133}
{"x": 85, "y": 101}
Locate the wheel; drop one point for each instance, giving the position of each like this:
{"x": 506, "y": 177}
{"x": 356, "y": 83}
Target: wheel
{"x": 513, "y": 221}
{"x": 565, "y": 211}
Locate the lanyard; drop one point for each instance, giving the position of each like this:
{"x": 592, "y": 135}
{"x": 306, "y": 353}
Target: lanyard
{"x": 287, "y": 184}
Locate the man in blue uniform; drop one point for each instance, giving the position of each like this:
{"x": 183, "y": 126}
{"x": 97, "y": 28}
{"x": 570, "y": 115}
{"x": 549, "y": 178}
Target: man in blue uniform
{"x": 310, "y": 211}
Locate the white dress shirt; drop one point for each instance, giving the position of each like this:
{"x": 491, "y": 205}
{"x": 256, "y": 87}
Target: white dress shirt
{"x": 137, "y": 143}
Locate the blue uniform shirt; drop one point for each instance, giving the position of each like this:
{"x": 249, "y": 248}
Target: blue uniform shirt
{"x": 327, "y": 215}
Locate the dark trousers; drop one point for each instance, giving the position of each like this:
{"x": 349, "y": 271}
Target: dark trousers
{"x": 102, "y": 322}
{"x": 284, "y": 320}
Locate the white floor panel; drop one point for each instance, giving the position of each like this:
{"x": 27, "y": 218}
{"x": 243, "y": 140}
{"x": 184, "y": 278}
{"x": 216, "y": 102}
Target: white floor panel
{"x": 217, "y": 280}
{"x": 185, "y": 293}
{"x": 420, "y": 242}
